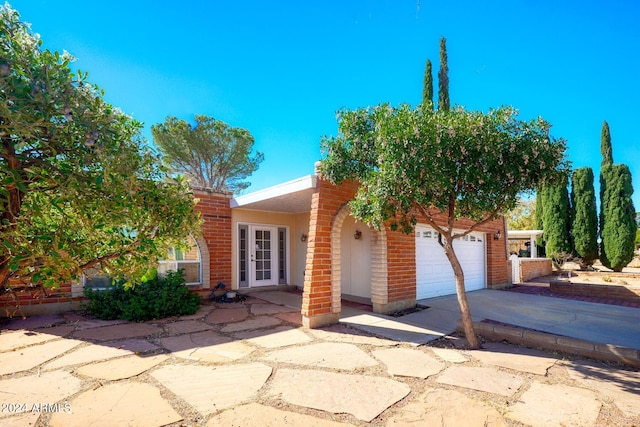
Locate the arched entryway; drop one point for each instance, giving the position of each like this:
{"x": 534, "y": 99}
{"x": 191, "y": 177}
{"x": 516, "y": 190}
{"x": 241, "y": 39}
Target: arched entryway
{"x": 358, "y": 266}
{"x": 355, "y": 259}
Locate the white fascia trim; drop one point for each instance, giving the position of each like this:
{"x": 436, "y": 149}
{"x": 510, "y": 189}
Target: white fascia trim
{"x": 299, "y": 184}
{"x": 523, "y": 233}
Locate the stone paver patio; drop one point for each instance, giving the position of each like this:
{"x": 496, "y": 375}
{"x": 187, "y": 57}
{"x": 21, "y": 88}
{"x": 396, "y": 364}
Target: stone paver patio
{"x": 251, "y": 364}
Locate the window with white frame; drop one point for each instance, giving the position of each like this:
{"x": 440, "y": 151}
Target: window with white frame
{"x": 187, "y": 259}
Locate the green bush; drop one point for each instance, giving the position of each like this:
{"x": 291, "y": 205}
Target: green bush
{"x": 155, "y": 299}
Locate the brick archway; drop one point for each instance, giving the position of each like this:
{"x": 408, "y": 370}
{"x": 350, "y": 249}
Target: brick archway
{"x": 379, "y": 296}
{"x": 204, "y": 261}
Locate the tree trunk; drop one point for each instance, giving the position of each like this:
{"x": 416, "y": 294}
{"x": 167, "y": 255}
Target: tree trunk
{"x": 461, "y": 293}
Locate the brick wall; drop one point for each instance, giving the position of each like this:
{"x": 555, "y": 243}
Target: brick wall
{"x": 530, "y": 268}
{"x": 215, "y": 210}
{"x": 606, "y": 291}
{"x": 401, "y": 266}
{"x": 39, "y": 301}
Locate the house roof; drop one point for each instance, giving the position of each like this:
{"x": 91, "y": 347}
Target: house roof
{"x": 289, "y": 197}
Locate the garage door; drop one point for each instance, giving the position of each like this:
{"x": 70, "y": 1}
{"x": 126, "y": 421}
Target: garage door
{"x": 434, "y": 275}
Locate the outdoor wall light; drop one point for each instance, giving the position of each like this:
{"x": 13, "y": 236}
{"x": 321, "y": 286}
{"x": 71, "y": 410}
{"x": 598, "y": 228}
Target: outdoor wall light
{"x": 497, "y": 235}
{"x": 357, "y": 235}
{"x": 303, "y": 238}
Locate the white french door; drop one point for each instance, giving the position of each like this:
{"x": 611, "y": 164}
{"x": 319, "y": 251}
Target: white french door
{"x": 263, "y": 244}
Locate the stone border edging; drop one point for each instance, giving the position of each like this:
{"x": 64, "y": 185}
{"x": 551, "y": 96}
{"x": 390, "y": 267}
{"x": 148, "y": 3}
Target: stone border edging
{"x": 519, "y": 335}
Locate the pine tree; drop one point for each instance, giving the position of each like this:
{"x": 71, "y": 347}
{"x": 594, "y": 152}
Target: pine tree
{"x": 618, "y": 214}
{"x": 443, "y": 78}
{"x": 584, "y": 227}
{"x": 557, "y": 220}
{"x": 427, "y": 89}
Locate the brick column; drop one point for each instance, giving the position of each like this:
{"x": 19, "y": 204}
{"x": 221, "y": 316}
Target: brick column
{"x": 215, "y": 210}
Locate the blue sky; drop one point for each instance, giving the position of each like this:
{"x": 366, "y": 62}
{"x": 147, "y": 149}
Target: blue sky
{"x": 281, "y": 69}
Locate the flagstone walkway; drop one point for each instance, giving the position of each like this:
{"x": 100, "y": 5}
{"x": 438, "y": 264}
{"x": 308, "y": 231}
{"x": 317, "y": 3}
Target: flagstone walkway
{"x": 251, "y": 364}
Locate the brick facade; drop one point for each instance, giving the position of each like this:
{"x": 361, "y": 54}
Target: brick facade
{"x": 215, "y": 251}
{"x": 392, "y": 262}
{"x": 393, "y": 268}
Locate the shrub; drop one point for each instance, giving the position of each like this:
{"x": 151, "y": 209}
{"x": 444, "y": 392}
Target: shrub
{"x": 154, "y": 299}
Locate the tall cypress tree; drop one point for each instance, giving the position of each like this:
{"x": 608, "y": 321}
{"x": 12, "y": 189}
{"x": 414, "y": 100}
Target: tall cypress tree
{"x": 539, "y": 218}
{"x": 584, "y": 227}
{"x": 607, "y": 160}
{"x": 605, "y": 145}
{"x": 443, "y": 78}
{"x": 556, "y": 218}
{"x": 427, "y": 88}
{"x": 619, "y": 229}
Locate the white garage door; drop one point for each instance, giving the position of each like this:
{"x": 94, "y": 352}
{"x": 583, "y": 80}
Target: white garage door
{"x": 434, "y": 275}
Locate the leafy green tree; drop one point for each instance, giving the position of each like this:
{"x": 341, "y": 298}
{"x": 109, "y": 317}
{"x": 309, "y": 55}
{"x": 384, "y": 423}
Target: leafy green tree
{"x": 443, "y": 78}
{"x": 523, "y": 216}
{"x": 427, "y": 89}
{"x": 557, "y": 220}
{"x": 415, "y": 163}
{"x": 78, "y": 187}
{"x": 210, "y": 153}
{"x": 584, "y": 227}
{"x": 619, "y": 230}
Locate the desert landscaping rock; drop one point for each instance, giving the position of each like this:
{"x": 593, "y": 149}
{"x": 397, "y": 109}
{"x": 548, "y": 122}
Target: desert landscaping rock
{"x": 88, "y": 323}
{"x": 30, "y": 357}
{"x": 556, "y": 405}
{"x": 118, "y": 404}
{"x": 253, "y": 323}
{"x": 186, "y": 326}
{"x": 211, "y": 389}
{"x": 206, "y": 346}
{"x": 116, "y": 332}
{"x": 266, "y": 416}
{"x": 286, "y": 375}
{"x": 327, "y": 355}
{"x": 48, "y": 387}
{"x": 10, "y": 340}
{"x": 227, "y": 315}
{"x": 122, "y": 368}
{"x": 59, "y": 331}
{"x": 202, "y": 312}
{"x": 261, "y": 309}
{"x": 517, "y": 358}
{"x": 345, "y": 334}
{"x": 90, "y": 353}
{"x": 622, "y": 386}
{"x": 34, "y": 322}
{"x": 449, "y": 355}
{"x": 134, "y": 345}
{"x": 337, "y": 393}
{"x": 280, "y": 336}
{"x": 293, "y": 318}
{"x": 407, "y": 362}
{"x": 446, "y": 408}
{"x": 482, "y": 379}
